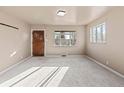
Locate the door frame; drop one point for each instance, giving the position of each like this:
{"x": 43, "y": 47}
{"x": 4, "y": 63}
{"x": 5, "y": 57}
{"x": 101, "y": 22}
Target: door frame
{"x": 32, "y": 30}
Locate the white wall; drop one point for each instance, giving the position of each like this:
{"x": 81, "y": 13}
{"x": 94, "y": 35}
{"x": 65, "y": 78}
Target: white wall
{"x": 113, "y": 50}
{"x": 13, "y": 41}
{"x": 50, "y": 43}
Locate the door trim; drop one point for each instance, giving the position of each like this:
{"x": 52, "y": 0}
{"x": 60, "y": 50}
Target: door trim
{"x": 44, "y": 40}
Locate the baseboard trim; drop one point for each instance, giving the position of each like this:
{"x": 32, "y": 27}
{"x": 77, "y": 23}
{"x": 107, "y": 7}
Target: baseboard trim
{"x": 106, "y": 67}
{"x": 12, "y": 66}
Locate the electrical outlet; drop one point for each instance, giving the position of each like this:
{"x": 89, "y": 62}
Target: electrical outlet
{"x": 107, "y": 62}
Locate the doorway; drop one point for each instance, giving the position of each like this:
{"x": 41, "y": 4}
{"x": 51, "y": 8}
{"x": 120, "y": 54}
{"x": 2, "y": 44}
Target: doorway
{"x": 38, "y": 43}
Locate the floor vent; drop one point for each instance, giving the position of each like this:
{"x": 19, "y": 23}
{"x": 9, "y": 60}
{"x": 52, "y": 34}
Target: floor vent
{"x": 63, "y": 55}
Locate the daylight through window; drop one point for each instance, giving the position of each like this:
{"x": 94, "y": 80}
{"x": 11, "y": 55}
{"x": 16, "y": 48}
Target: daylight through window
{"x": 65, "y": 38}
{"x": 98, "y": 33}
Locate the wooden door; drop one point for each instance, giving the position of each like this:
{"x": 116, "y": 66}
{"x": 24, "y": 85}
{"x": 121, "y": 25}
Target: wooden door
{"x": 38, "y": 43}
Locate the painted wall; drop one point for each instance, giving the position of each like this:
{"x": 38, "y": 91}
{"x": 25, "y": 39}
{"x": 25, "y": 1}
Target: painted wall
{"x": 14, "y": 44}
{"x": 50, "y": 43}
{"x": 113, "y": 50}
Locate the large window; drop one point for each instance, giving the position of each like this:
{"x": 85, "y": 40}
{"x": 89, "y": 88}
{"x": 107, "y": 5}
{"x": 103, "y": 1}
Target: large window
{"x": 98, "y": 33}
{"x": 65, "y": 38}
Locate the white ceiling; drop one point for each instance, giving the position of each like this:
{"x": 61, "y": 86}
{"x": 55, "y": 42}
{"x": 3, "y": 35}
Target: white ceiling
{"x": 75, "y": 15}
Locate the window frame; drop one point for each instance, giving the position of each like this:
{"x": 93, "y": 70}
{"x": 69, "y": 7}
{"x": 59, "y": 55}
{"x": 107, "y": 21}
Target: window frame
{"x": 103, "y": 36}
{"x": 61, "y": 39}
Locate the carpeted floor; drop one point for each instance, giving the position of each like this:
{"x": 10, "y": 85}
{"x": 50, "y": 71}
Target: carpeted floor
{"x": 80, "y": 72}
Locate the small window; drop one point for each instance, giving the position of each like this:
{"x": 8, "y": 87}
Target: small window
{"x": 65, "y": 38}
{"x": 98, "y": 33}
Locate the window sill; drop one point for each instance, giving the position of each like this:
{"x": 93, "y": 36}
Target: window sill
{"x": 98, "y": 43}
{"x": 64, "y": 46}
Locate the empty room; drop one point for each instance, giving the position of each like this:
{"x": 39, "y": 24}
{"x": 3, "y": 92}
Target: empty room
{"x": 61, "y": 46}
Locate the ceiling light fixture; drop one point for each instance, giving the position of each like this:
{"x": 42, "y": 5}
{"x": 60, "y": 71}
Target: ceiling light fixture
{"x": 61, "y": 12}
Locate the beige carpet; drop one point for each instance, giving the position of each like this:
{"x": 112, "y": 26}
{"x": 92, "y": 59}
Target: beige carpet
{"x": 77, "y": 71}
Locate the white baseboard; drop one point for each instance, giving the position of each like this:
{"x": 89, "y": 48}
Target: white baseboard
{"x": 106, "y": 67}
{"x": 12, "y": 66}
